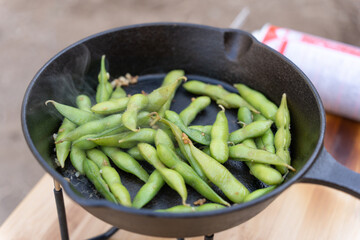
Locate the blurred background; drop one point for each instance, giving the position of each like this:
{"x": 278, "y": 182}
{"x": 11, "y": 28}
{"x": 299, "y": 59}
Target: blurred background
{"x": 31, "y": 32}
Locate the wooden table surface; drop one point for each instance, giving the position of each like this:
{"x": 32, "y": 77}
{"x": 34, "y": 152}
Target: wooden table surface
{"x": 304, "y": 211}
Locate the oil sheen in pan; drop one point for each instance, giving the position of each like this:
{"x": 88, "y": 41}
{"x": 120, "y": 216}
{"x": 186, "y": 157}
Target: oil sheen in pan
{"x": 167, "y": 197}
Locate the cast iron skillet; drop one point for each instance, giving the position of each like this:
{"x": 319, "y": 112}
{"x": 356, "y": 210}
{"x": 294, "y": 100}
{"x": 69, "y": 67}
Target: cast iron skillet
{"x": 214, "y": 55}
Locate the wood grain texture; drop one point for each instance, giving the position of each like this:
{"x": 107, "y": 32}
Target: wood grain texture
{"x": 304, "y": 211}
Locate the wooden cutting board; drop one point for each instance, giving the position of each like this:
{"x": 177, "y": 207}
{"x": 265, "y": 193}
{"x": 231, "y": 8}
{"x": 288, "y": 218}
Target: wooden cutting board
{"x": 304, "y": 211}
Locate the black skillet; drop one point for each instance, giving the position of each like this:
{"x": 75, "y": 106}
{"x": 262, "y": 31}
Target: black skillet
{"x": 214, "y": 55}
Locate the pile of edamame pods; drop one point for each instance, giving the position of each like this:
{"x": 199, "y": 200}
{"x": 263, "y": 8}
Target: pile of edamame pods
{"x": 121, "y": 130}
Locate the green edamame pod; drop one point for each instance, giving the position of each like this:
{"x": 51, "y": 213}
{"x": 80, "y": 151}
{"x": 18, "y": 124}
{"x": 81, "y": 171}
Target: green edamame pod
{"x": 266, "y": 141}
{"x": 161, "y": 137}
{"x": 118, "y": 92}
{"x": 194, "y": 134}
{"x": 104, "y": 88}
{"x": 217, "y": 93}
{"x": 111, "y": 106}
{"x": 258, "y": 100}
{"x": 185, "y": 209}
{"x": 63, "y": 149}
{"x": 252, "y": 130}
{"x": 258, "y": 193}
{"x": 171, "y": 177}
{"x": 184, "y": 148}
{"x": 244, "y": 153}
{"x": 159, "y": 96}
{"x": 244, "y": 115}
{"x": 263, "y": 172}
{"x": 218, "y": 174}
{"x": 126, "y": 139}
{"x": 74, "y": 114}
{"x": 92, "y": 172}
{"x": 233, "y": 100}
{"x": 83, "y": 102}
{"x": 112, "y": 178}
{"x": 77, "y": 158}
{"x": 171, "y": 77}
{"x": 282, "y": 136}
{"x": 206, "y": 129}
{"x": 219, "y": 148}
{"x": 125, "y": 162}
{"x": 98, "y": 157}
{"x": 136, "y": 103}
{"x": 135, "y": 153}
{"x": 86, "y": 144}
{"x": 94, "y": 127}
{"x": 188, "y": 114}
{"x": 168, "y": 157}
{"x": 149, "y": 190}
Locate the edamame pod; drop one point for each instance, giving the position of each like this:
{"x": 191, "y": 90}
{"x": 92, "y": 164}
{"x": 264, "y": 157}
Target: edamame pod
{"x": 126, "y": 139}
{"x": 98, "y": 157}
{"x": 83, "y": 102}
{"x": 118, "y": 92}
{"x": 244, "y": 153}
{"x": 206, "y": 129}
{"x": 194, "y": 134}
{"x": 258, "y": 100}
{"x": 266, "y": 141}
{"x": 258, "y": 193}
{"x": 94, "y": 127}
{"x": 77, "y": 158}
{"x": 261, "y": 171}
{"x": 135, "y": 153}
{"x": 104, "y": 88}
{"x": 171, "y": 77}
{"x": 125, "y": 162}
{"x": 111, "y": 106}
{"x": 252, "y": 130}
{"x": 63, "y": 149}
{"x": 218, "y": 174}
{"x": 219, "y": 148}
{"x": 136, "y": 103}
{"x": 74, "y": 114}
{"x": 161, "y": 137}
{"x": 159, "y": 96}
{"x": 171, "y": 177}
{"x": 92, "y": 172}
{"x": 112, "y": 178}
{"x": 282, "y": 136}
{"x": 168, "y": 157}
{"x": 149, "y": 190}
{"x": 188, "y": 114}
{"x": 185, "y": 209}
{"x": 217, "y": 93}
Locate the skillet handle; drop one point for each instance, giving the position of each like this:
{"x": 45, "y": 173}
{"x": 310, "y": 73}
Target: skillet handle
{"x": 327, "y": 171}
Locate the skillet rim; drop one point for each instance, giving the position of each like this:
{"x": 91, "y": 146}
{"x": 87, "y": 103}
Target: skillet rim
{"x": 95, "y": 203}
